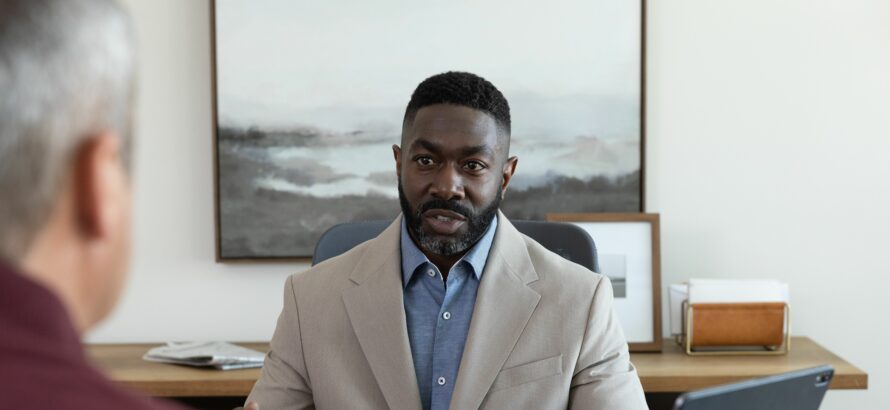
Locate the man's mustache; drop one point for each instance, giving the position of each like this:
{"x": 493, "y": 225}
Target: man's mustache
{"x": 446, "y": 205}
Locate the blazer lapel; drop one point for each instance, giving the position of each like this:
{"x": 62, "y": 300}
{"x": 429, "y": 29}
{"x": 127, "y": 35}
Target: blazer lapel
{"x": 376, "y": 311}
{"x": 504, "y": 304}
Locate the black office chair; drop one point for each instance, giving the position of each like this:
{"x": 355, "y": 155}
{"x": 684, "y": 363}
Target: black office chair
{"x": 567, "y": 240}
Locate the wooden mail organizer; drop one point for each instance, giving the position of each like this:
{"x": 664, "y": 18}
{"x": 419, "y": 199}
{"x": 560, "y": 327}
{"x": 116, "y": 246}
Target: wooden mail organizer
{"x": 736, "y": 328}
{"x": 671, "y": 371}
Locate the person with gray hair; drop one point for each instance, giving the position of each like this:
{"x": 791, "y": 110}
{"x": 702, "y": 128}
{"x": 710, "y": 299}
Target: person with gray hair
{"x": 67, "y": 77}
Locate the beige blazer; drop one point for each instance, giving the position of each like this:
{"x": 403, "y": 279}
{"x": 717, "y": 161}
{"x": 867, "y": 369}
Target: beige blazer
{"x": 543, "y": 335}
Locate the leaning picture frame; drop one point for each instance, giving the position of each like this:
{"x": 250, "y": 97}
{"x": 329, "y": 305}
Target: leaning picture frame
{"x": 628, "y": 251}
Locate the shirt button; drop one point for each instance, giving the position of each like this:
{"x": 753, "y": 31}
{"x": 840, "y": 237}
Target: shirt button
{"x": 446, "y": 315}
{"x": 431, "y": 273}
{"x": 441, "y": 381}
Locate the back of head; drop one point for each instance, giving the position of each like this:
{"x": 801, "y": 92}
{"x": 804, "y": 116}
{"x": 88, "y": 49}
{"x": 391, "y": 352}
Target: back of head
{"x": 66, "y": 73}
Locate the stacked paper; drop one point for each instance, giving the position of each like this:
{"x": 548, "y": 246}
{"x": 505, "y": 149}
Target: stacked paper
{"x": 677, "y": 294}
{"x": 219, "y": 355}
{"x": 737, "y": 291}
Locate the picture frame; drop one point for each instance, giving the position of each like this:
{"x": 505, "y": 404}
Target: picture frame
{"x": 629, "y": 253}
{"x": 581, "y": 143}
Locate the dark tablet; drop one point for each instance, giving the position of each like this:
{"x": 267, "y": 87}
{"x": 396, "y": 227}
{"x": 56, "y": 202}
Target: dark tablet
{"x": 797, "y": 390}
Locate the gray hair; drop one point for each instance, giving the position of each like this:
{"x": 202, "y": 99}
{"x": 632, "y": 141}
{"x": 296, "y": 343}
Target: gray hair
{"x": 67, "y": 71}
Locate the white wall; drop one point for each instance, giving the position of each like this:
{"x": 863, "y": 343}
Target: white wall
{"x": 177, "y": 291}
{"x": 768, "y": 128}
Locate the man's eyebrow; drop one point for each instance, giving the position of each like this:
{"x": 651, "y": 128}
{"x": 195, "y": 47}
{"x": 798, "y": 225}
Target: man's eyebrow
{"x": 466, "y": 152}
{"x": 428, "y": 145}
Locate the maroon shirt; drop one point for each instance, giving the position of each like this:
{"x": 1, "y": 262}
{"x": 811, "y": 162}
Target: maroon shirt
{"x": 42, "y": 364}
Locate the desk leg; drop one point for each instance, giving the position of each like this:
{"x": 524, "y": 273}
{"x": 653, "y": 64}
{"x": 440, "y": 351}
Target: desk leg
{"x": 661, "y": 401}
{"x": 211, "y": 403}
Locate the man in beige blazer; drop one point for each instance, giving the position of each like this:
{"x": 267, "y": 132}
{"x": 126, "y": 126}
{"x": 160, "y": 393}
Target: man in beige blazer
{"x": 542, "y": 334}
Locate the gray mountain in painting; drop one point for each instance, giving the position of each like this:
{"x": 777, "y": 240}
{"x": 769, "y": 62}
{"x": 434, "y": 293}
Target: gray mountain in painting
{"x": 280, "y": 189}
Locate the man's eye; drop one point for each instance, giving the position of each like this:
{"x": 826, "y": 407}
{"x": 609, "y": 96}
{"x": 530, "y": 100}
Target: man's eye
{"x": 425, "y": 161}
{"x": 474, "y": 166}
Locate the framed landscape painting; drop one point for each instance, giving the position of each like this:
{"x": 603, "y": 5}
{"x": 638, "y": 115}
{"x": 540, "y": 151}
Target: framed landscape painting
{"x": 309, "y": 99}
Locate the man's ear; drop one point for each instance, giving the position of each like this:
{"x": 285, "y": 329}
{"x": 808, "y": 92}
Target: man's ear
{"x": 98, "y": 173}
{"x": 509, "y": 170}
{"x": 397, "y": 155}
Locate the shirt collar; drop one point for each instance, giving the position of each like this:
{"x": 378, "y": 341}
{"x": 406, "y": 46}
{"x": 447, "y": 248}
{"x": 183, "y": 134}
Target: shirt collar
{"x": 476, "y": 257}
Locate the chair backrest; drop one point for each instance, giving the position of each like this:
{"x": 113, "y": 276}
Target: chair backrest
{"x": 567, "y": 240}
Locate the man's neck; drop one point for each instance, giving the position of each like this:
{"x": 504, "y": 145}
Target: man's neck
{"x": 56, "y": 266}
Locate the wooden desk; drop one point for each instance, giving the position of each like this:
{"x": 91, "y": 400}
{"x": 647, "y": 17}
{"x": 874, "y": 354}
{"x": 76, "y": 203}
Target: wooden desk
{"x": 674, "y": 371}
{"x": 669, "y": 372}
{"x": 123, "y": 363}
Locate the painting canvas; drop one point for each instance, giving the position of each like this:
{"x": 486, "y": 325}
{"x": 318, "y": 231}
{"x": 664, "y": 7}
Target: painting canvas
{"x": 310, "y": 98}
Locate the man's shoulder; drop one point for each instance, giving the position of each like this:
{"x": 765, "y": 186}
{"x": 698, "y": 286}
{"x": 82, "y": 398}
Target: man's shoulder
{"x": 332, "y": 273}
{"x": 45, "y": 378}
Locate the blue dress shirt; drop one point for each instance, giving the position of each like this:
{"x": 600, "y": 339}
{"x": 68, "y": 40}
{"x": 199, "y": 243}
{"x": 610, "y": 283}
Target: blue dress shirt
{"x": 438, "y": 314}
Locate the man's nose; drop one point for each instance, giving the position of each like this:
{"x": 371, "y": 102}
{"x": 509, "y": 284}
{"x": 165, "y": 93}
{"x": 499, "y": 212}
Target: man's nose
{"x": 448, "y": 184}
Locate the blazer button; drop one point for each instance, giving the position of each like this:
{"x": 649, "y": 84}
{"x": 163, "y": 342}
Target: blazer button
{"x": 441, "y": 381}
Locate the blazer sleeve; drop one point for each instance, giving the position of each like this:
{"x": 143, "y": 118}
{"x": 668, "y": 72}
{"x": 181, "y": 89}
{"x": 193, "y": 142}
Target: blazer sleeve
{"x": 604, "y": 377}
{"x": 284, "y": 382}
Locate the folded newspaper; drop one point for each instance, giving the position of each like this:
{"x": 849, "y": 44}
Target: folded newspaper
{"x": 219, "y": 355}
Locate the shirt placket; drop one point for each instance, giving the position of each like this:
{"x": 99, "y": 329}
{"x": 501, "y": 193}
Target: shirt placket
{"x": 444, "y": 370}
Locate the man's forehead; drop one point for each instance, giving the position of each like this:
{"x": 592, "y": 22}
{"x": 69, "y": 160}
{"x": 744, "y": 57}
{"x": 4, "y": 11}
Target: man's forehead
{"x": 452, "y": 126}
{"x": 454, "y": 115}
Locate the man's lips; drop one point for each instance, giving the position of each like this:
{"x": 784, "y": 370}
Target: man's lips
{"x": 443, "y": 213}
{"x": 443, "y": 222}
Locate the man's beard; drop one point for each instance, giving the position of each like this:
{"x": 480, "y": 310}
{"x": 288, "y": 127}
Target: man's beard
{"x": 477, "y": 224}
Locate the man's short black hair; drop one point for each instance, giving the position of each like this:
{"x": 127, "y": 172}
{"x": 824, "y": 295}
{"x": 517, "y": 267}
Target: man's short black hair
{"x": 461, "y": 88}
